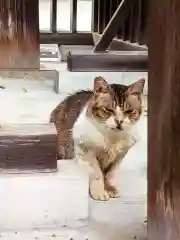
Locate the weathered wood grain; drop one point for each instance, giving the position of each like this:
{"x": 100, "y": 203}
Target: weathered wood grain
{"x": 164, "y": 120}
{"x": 19, "y": 34}
{"x": 28, "y": 147}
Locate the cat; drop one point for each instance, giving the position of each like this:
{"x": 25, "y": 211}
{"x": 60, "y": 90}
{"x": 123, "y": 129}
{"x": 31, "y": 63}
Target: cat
{"x": 99, "y": 125}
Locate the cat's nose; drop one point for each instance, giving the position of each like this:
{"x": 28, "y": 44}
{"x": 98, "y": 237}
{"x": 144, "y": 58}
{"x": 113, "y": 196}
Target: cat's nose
{"x": 119, "y": 122}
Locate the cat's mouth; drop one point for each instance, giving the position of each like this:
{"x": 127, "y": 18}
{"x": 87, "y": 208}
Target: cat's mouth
{"x": 120, "y": 127}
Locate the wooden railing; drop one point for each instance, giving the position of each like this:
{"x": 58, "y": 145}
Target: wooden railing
{"x": 132, "y": 29}
{"x": 72, "y": 37}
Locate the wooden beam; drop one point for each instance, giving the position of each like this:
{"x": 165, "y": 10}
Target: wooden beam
{"x": 111, "y": 61}
{"x": 114, "y": 24}
{"x": 19, "y": 35}
{"x": 65, "y": 38}
{"x": 164, "y": 120}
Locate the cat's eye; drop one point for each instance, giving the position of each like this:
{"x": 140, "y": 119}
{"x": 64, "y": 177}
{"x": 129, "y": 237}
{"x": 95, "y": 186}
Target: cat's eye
{"x": 109, "y": 110}
{"x": 128, "y": 111}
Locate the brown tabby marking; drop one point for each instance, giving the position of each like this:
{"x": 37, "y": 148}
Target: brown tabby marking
{"x": 102, "y": 133}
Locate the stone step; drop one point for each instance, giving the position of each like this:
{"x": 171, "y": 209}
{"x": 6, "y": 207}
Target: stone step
{"x": 45, "y": 200}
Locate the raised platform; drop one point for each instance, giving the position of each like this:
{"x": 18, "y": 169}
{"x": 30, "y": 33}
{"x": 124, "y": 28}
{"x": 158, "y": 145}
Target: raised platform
{"x": 45, "y": 200}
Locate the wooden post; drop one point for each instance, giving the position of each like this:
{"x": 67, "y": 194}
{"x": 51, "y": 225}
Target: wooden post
{"x": 164, "y": 120}
{"x": 19, "y": 34}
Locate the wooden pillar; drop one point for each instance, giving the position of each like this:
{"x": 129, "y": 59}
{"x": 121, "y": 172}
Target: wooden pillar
{"x": 164, "y": 120}
{"x": 19, "y": 34}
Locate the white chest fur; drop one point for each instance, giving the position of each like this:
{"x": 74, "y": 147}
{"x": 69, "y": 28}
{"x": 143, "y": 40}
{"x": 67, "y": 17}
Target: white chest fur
{"x": 84, "y": 131}
{"x": 92, "y": 134}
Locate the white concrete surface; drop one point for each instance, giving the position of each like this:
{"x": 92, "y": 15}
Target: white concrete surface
{"x": 33, "y": 100}
{"x": 73, "y": 81}
{"x": 27, "y": 101}
{"x": 117, "y": 219}
{"x": 44, "y": 200}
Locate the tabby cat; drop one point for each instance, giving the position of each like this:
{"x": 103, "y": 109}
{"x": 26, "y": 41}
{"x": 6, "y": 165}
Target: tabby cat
{"x": 97, "y": 126}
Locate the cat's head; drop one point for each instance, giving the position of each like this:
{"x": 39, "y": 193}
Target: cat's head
{"x": 116, "y": 106}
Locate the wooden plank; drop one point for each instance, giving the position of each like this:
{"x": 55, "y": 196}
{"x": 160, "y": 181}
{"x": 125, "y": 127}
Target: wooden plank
{"x": 114, "y": 24}
{"x": 63, "y": 38}
{"x": 28, "y": 147}
{"x": 53, "y": 16}
{"x": 111, "y": 61}
{"x": 164, "y": 118}
{"x": 19, "y": 35}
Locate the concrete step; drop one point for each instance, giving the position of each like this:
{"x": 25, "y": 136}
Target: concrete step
{"x": 45, "y": 200}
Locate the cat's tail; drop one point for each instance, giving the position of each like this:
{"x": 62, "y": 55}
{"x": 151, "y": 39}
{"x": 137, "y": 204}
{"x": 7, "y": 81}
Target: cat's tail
{"x": 52, "y": 118}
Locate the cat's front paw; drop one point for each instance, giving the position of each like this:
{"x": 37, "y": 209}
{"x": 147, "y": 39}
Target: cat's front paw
{"x": 99, "y": 195}
{"x": 112, "y": 191}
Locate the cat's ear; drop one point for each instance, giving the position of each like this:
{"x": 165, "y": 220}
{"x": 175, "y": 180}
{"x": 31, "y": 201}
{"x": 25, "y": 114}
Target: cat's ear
{"x": 100, "y": 85}
{"x": 137, "y": 87}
